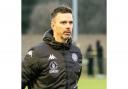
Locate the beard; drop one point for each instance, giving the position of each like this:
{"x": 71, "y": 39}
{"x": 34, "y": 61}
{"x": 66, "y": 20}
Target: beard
{"x": 66, "y": 36}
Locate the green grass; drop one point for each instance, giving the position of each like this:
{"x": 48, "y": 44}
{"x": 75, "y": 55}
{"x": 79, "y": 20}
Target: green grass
{"x": 91, "y": 83}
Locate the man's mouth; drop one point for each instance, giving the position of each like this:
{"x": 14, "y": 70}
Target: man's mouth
{"x": 67, "y": 33}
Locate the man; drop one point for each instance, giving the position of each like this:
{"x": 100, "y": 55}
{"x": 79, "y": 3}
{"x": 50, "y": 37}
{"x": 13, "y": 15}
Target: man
{"x": 56, "y": 62}
{"x": 100, "y": 56}
{"x": 90, "y": 57}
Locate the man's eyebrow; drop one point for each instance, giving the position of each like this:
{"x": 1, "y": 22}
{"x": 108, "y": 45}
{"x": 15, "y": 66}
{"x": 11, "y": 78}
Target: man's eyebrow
{"x": 66, "y": 21}
{"x": 70, "y": 21}
{"x": 63, "y": 22}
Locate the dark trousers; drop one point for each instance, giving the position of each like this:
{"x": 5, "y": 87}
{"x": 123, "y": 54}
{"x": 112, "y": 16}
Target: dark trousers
{"x": 100, "y": 65}
{"x": 90, "y": 66}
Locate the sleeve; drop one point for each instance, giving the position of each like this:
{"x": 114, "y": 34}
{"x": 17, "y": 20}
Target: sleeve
{"x": 30, "y": 67}
{"x": 80, "y": 63}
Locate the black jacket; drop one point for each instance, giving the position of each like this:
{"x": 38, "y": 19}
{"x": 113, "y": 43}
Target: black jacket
{"x": 52, "y": 65}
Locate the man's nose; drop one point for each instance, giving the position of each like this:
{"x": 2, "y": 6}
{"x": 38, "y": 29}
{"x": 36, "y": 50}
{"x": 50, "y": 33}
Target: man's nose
{"x": 68, "y": 25}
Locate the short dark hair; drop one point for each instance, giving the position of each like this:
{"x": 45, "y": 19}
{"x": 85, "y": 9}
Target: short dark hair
{"x": 62, "y": 9}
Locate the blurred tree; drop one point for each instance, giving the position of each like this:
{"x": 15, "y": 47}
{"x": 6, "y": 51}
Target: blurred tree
{"x": 40, "y": 17}
{"x": 27, "y": 6}
{"x": 92, "y": 16}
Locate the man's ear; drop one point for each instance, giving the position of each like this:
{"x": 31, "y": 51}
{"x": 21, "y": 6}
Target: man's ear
{"x": 52, "y": 24}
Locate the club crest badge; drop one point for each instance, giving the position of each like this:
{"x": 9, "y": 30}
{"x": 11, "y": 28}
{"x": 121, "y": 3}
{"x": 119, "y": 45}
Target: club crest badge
{"x": 74, "y": 57}
{"x": 53, "y": 67}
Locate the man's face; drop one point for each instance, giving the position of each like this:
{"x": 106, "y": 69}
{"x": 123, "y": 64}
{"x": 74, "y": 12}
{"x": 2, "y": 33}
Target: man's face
{"x": 62, "y": 25}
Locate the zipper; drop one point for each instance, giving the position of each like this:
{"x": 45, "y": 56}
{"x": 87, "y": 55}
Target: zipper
{"x": 66, "y": 66}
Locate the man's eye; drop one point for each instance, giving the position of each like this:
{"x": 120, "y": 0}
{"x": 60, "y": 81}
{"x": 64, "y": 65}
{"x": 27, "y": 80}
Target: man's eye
{"x": 64, "y": 22}
{"x": 71, "y": 22}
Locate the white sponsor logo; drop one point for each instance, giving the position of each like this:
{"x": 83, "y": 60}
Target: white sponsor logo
{"x": 51, "y": 57}
{"x": 74, "y": 57}
{"x": 30, "y": 53}
{"x": 53, "y": 67}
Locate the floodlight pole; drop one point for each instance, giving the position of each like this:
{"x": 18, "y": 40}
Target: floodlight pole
{"x": 75, "y": 20}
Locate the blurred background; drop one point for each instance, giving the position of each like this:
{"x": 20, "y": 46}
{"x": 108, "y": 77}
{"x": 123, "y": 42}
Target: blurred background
{"x": 91, "y": 35}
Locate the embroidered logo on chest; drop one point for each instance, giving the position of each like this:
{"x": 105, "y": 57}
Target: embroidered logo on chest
{"x": 51, "y": 57}
{"x": 53, "y": 67}
{"x": 74, "y": 57}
